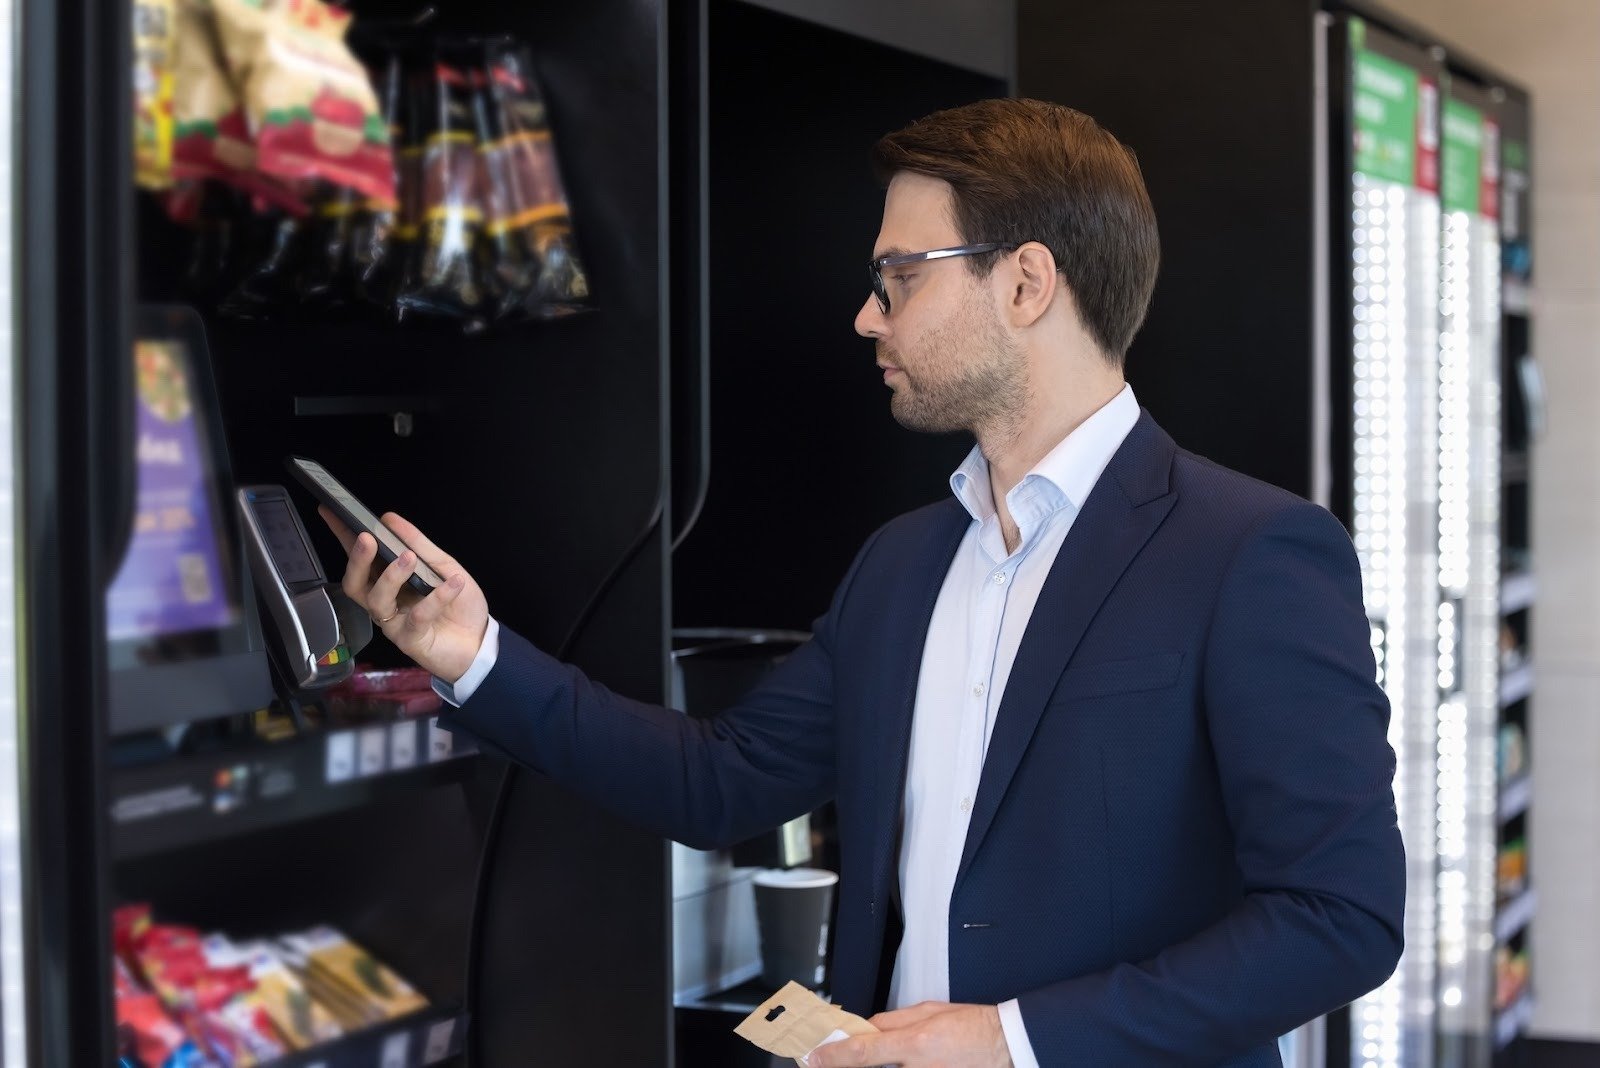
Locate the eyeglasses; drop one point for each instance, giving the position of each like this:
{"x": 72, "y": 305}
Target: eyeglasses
{"x": 875, "y": 267}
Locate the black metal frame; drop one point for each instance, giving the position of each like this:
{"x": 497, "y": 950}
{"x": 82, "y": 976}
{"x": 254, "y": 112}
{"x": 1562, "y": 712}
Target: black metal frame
{"x": 74, "y": 500}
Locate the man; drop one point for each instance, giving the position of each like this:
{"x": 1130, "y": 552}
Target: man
{"x": 1110, "y": 765}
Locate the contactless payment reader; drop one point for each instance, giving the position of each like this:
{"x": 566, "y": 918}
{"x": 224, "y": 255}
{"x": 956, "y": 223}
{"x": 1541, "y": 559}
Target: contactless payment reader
{"x": 311, "y": 644}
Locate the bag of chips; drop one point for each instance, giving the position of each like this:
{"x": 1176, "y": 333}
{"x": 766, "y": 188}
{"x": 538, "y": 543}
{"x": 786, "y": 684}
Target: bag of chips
{"x": 308, "y": 98}
{"x": 211, "y": 139}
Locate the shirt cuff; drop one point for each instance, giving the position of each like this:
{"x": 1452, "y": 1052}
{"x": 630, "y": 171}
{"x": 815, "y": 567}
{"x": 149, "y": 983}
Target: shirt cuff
{"x": 463, "y": 689}
{"x": 1017, "y": 1043}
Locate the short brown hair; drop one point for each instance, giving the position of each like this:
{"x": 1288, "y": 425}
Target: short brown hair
{"x": 1026, "y": 170}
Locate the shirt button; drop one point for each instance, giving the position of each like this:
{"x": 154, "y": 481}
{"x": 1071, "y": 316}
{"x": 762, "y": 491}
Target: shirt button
{"x": 999, "y": 578}
{"x": 966, "y": 804}
{"x": 977, "y": 691}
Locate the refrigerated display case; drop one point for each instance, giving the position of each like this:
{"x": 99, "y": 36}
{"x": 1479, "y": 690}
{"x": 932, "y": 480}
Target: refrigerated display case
{"x": 1469, "y": 572}
{"x": 1385, "y": 103}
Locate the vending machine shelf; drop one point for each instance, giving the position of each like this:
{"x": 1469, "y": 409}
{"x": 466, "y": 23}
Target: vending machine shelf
{"x": 425, "y": 1038}
{"x": 187, "y": 801}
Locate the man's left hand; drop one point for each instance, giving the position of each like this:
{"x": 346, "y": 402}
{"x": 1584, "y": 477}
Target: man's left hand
{"x": 930, "y": 1035}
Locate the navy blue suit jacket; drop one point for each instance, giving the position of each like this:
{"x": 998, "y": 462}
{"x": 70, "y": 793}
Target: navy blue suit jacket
{"x": 1184, "y": 842}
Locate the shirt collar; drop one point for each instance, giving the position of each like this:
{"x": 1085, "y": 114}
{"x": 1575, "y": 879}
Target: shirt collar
{"x": 1063, "y": 477}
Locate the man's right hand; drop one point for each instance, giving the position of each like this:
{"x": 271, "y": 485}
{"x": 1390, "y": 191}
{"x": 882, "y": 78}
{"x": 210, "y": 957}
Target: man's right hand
{"x": 443, "y": 631}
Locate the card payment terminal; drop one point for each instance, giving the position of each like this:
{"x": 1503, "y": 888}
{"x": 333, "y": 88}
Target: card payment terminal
{"x": 311, "y": 644}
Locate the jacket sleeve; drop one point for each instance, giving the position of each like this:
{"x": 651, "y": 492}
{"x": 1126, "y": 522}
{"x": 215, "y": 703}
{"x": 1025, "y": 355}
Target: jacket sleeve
{"x": 1299, "y": 730}
{"x": 704, "y": 782}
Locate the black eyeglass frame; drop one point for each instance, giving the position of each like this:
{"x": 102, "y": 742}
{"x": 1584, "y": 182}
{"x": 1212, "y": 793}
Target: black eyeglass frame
{"x": 875, "y": 267}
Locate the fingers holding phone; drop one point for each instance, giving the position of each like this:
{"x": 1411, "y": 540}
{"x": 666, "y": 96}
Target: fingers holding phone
{"x": 442, "y": 630}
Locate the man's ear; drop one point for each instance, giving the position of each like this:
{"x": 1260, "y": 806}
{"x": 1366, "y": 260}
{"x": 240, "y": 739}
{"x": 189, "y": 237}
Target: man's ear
{"x": 1032, "y": 284}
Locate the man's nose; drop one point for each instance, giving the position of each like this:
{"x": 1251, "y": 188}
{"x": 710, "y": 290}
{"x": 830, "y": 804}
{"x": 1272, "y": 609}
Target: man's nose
{"x": 870, "y": 320}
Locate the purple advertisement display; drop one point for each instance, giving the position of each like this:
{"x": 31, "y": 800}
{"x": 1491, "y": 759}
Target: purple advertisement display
{"x": 172, "y": 580}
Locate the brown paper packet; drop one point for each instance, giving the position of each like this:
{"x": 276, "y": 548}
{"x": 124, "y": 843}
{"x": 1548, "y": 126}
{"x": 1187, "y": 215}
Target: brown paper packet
{"x": 794, "y": 1021}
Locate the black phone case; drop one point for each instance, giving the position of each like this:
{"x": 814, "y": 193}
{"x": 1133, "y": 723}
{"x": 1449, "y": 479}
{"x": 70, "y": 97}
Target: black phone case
{"x": 417, "y": 583}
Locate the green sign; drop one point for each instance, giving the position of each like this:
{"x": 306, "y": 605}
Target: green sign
{"x": 1461, "y": 161}
{"x": 1386, "y": 93}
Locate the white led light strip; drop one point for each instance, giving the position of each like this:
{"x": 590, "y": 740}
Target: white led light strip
{"x": 1394, "y": 284}
{"x": 1469, "y": 565}
{"x": 13, "y": 1002}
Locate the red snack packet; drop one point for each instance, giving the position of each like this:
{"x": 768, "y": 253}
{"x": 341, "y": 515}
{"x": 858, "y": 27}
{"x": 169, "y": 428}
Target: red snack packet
{"x": 397, "y": 680}
{"x": 154, "y": 1039}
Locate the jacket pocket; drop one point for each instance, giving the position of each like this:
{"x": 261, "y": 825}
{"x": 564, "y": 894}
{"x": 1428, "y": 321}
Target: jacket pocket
{"x": 1119, "y": 676}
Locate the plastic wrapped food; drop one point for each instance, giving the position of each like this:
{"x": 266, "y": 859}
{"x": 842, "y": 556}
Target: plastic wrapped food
{"x": 148, "y": 1037}
{"x": 545, "y": 276}
{"x": 307, "y": 96}
{"x": 272, "y": 288}
{"x": 446, "y": 274}
{"x": 326, "y": 278}
{"x": 155, "y": 29}
{"x": 211, "y": 138}
{"x": 374, "y": 271}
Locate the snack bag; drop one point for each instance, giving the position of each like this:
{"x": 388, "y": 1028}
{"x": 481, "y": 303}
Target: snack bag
{"x": 794, "y": 1022}
{"x": 401, "y": 263}
{"x": 130, "y": 925}
{"x": 283, "y": 997}
{"x": 272, "y": 287}
{"x": 241, "y": 1033}
{"x": 341, "y": 964}
{"x": 211, "y": 139}
{"x": 373, "y": 227}
{"x": 148, "y": 1037}
{"x": 351, "y": 1011}
{"x": 155, "y": 32}
{"x": 326, "y": 278}
{"x": 528, "y": 203}
{"x": 447, "y": 277}
{"x": 309, "y": 99}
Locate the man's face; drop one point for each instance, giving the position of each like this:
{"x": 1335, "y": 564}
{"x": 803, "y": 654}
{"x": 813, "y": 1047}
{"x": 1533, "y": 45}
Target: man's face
{"x": 944, "y": 351}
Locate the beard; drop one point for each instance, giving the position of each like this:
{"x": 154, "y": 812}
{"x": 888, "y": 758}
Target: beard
{"x": 966, "y": 374}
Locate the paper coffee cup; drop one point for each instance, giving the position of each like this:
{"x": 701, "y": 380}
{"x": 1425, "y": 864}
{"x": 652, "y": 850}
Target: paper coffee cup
{"x": 792, "y": 909}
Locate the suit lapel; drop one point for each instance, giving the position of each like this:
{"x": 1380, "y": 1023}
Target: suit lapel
{"x": 1124, "y": 509}
{"x": 914, "y": 596}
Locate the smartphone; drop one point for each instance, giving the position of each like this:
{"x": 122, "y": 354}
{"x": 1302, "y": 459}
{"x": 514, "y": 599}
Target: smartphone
{"x": 358, "y": 517}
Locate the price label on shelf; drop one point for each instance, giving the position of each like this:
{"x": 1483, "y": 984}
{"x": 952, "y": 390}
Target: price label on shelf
{"x": 374, "y": 750}
{"x": 441, "y": 743}
{"x": 438, "y": 1045}
{"x": 396, "y": 1050}
{"x": 341, "y": 762}
{"x": 403, "y": 745}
